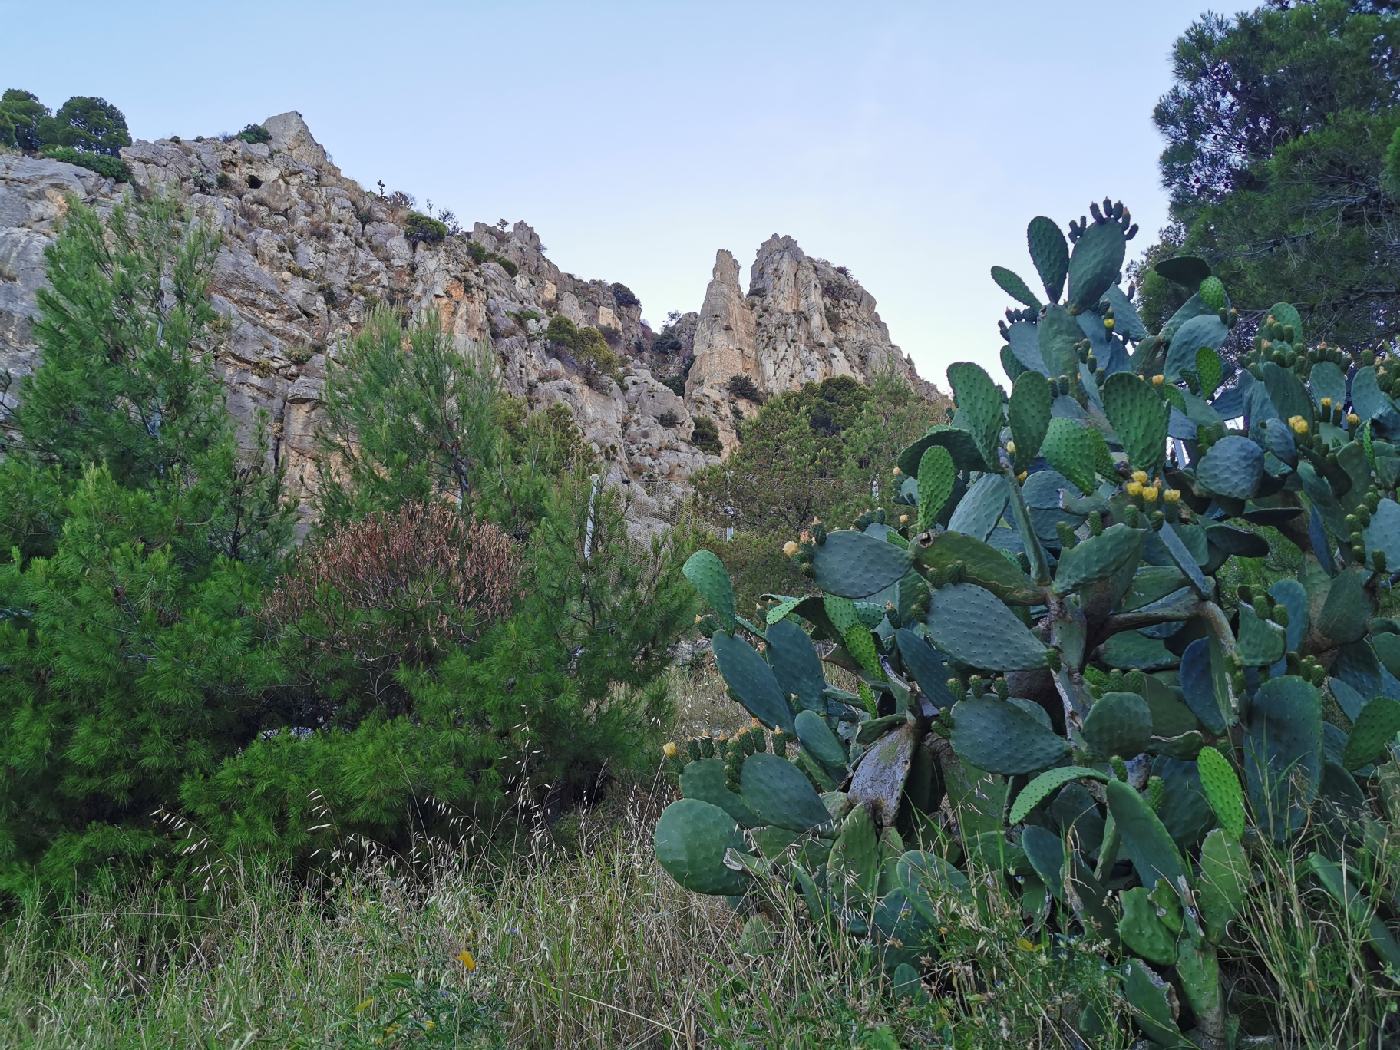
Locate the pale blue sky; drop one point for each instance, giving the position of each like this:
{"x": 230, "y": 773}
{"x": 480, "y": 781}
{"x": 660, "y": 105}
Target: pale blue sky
{"x": 909, "y": 142}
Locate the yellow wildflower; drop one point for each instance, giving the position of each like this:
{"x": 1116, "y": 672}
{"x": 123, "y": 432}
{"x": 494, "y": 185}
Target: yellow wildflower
{"x": 467, "y": 960}
{"x": 669, "y": 749}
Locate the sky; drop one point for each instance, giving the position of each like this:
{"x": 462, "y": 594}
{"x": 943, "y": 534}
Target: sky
{"x": 909, "y": 142}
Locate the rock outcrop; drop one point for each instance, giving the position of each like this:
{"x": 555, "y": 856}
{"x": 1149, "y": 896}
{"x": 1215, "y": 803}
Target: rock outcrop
{"x": 802, "y": 321}
{"x": 307, "y": 253}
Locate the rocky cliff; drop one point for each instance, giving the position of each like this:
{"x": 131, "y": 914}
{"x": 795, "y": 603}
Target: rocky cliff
{"x": 307, "y": 253}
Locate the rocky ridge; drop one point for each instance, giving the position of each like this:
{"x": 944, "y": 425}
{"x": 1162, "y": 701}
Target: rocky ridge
{"x": 307, "y": 253}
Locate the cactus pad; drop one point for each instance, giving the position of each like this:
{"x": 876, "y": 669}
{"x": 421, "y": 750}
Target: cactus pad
{"x": 1011, "y": 283}
{"x": 1145, "y": 840}
{"x": 752, "y": 681}
{"x": 956, "y": 440}
{"x": 937, "y": 475}
{"x": 973, "y": 625}
{"x": 981, "y": 564}
{"x": 708, "y": 575}
{"x": 1374, "y": 729}
{"x": 878, "y": 781}
{"x": 1222, "y": 790}
{"x": 1143, "y": 933}
{"x": 1139, "y": 417}
{"x": 1118, "y": 724}
{"x": 691, "y": 840}
{"x": 1232, "y": 467}
{"x": 981, "y": 507}
{"x": 1283, "y": 752}
{"x": 978, "y": 401}
{"x": 1028, "y": 412}
{"x": 857, "y": 565}
{"x": 795, "y": 664}
{"x": 1049, "y": 253}
{"x": 1073, "y": 450}
{"x": 818, "y": 739}
{"x": 779, "y": 794}
{"x": 706, "y": 780}
{"x": 1046, "y": 784}
{"x": 1000, "y": 737}
{"x": 854, "y": 862}
{"x": 1099, "y": 557}
{"x": 1058, "y": 334}
{"x": 1095, "y": 262}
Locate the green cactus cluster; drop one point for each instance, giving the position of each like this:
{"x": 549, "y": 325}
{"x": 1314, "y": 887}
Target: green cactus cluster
{"x": 1049, "y": 681}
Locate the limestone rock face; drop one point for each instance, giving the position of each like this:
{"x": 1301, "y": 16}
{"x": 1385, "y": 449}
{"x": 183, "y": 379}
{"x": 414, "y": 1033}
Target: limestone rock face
{"x": 306, "y": 254}
{"x": 803, "y": 320}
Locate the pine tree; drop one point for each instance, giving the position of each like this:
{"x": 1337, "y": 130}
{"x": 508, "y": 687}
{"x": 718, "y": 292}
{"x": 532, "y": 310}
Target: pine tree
{"x": 137, "y": 541}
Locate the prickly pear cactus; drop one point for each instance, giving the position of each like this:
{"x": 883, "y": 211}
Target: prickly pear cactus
{"x": 1042, "y": 642}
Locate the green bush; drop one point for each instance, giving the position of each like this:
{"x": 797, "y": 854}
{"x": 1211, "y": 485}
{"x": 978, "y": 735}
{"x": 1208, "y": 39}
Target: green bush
{"x": 1200, "y": 782}
{"x": 423, "y": 229}
{"x": 624, "y": 296}
{"x": 254, "y": 134}
{"x": 742, "y": 387}
{"x": 401, "y": 588}
{"x": 705, "y": 436}
{"x": 108, "y": 167}
{"x": 586, "y": 345}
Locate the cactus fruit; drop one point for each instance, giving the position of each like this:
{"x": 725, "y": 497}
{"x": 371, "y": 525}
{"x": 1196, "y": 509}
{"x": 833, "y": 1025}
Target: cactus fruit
{"x": 1061, "y": 620}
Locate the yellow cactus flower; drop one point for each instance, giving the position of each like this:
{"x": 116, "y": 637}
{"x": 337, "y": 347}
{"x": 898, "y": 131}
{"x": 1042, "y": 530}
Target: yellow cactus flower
{"x": 1140, "y": 476}
{"x": 1011, "y": 448}
{"x": 1325, "y": 403}
{"x": 1353, "y": 418}
{"x": 896, "y": 472}
{"x": 1133, "y": 489}
{"x": 790, "y": 548}
{"x": 1172, "y": 495}
{"x": 904, "y": 519}
{"x": 467, "y": 959}
{"x": 1158, "y": 379}
{"x": 1299, "y": 424}
{"x": 1108, "y": 323}
{"x": 669, "y": 749}
{"x": 1021, "y": 477}
{"x": 1149, "y": 493}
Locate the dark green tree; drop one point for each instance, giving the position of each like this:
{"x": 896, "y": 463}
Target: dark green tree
{"x": 22, "y": 119}
{"x": 409, "y": 417}
{"x": 1276, "y": 130}
{"x": 90, "y": 125}
{"x": 137, "y": 540}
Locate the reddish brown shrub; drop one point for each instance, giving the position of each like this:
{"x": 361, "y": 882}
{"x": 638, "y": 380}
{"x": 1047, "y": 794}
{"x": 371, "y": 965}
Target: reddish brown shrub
{"x": 393, "y": 588}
